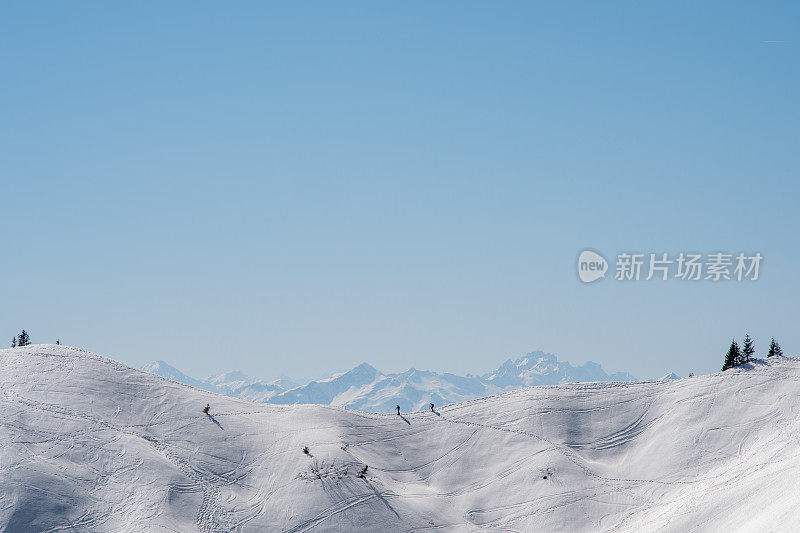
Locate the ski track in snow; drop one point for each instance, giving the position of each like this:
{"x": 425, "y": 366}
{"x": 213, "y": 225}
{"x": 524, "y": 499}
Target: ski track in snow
{"x": 647, "y": 456}
{"x": 210, "y": 516}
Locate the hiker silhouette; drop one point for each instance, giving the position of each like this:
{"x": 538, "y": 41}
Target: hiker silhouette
{"x": 431, "y": 407}
{"x": 398, "y": 409}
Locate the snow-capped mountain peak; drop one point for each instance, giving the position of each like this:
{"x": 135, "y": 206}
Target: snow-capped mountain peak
{"x": 541, "y": 368}
{"x": 165, "y": 370}
{"x": 365, "y": 388}
{"x": 229, "y": 377}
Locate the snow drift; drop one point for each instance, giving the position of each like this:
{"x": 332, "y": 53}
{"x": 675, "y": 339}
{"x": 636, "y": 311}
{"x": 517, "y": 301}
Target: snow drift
{"x": 89, "y": 444}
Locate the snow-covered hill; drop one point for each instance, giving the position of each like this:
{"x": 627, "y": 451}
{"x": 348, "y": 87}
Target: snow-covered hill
{"x": 366, "y": 389}
{"x": 89, "y": 444}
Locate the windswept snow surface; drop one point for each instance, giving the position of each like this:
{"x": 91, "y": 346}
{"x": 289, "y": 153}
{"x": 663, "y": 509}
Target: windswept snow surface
{"x": 89, "y": 444}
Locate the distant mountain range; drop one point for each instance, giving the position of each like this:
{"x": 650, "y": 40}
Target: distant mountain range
{"x": 366, "y": 389}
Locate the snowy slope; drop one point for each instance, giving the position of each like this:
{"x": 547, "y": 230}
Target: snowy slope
{"x": 89, "y": 444}
{"x": 366, "y": 389}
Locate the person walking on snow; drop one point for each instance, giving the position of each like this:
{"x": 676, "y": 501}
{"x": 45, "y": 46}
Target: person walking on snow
{"x": 398, "y": 409}
{"x": 432, "y": 411}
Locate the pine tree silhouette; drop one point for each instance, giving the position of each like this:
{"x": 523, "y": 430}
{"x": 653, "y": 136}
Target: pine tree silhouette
{"x": 748, "y": 349}
{"x": 773, "y": 348}
{"x": 14, "y": 342}
{"x": 732, "y": 357}
{"x": 23, "y": 339}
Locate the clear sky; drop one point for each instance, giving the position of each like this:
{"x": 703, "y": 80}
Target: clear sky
{"x": 299, "y": 188}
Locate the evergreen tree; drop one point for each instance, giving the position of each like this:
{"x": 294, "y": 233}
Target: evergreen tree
{"x": 14, "y": 342}
{"x": 732, "y": 357}
{"x": 778, "y": 350}
{"x": 773, "y": 348}
{"x": 748, "y": 349}
{"x": 24, "y": 339}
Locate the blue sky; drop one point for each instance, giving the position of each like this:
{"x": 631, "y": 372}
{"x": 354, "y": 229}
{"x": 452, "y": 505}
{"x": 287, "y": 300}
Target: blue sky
{"x": 299, "y": 188}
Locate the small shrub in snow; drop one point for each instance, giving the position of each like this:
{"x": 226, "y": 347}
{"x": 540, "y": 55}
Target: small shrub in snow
{"x": 306, "y": 450}
{"x": 320, "y": 470}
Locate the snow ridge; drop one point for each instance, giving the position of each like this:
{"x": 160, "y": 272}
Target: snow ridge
{"x": 89, "y": 444}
